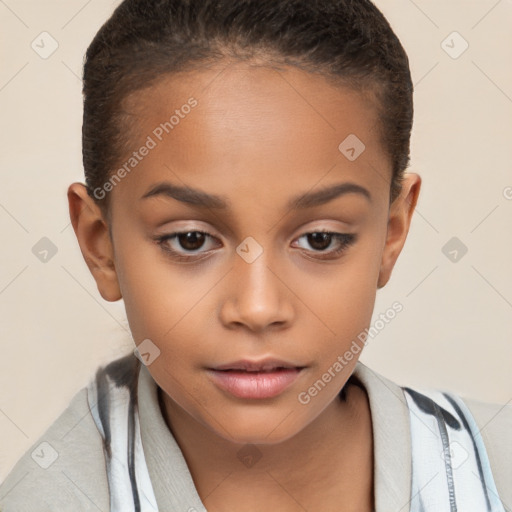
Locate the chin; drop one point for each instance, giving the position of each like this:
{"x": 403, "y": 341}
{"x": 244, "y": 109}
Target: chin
{"x": 258, "y": 427}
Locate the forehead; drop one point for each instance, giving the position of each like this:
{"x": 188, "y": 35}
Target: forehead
{"x": 239, "y": 128}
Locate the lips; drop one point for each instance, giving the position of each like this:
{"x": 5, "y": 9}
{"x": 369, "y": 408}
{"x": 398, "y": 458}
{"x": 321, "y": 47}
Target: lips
{"x": 255, "y": 379}
{"x": 265, "y": 365}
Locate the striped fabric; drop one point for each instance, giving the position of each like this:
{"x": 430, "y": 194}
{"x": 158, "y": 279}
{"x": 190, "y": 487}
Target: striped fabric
{"x": 450, "y": 467}
{"x": 112, "y": 397}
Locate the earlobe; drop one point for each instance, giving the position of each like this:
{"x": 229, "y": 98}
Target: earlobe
{"x": 400, "y": 216}
{"x": 92, "y": 233}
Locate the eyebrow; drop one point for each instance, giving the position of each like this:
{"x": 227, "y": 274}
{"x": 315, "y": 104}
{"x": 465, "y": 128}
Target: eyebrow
{"x": 202, "y": 199}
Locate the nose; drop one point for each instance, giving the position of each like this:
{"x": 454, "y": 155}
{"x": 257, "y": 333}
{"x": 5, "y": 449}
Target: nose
{"x": 258, "y": 297}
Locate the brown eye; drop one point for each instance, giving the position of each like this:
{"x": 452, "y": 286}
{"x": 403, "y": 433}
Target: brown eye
{"x": 319, "y": 241}
{"x": 187, "y": 245}
{"x": 327, "y": 244}
{"x": 191, "y": 240}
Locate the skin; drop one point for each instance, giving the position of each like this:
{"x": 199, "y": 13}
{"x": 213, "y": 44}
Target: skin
{"x": 257, "y": 137}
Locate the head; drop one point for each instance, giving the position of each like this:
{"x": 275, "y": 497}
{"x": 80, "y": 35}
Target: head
{"x": 273, "y": 137}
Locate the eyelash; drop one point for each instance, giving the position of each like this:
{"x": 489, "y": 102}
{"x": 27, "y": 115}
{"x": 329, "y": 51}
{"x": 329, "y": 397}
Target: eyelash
{"x": 345, "y": 240}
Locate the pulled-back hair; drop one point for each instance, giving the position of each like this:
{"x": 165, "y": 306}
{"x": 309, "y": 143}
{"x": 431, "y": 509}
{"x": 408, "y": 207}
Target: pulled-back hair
{"x": 349, "y": 42}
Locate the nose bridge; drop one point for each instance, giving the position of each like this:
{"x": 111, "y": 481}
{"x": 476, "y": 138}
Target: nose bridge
{"x": 255, "y": 274}
{"x": 257, "y": 296}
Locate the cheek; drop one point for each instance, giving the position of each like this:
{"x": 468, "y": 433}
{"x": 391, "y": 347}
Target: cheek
{"x": 345, "y": 303}
{"x": 347, "y": 295}
{"x": 172, "y": 308}
{"x": 148, "y": 288}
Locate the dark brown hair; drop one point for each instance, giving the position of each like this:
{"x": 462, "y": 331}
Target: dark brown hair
{"x": 349, "y": 42}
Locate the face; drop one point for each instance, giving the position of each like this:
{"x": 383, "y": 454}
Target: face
{"x": 243, "y": 234}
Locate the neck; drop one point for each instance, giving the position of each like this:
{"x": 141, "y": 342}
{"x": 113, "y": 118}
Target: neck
{"x": 331, "y": 455}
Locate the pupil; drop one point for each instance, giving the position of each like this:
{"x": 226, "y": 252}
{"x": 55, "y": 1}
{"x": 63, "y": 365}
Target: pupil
{"x": 321, "y": 238}
{"x": 189, "y": 240}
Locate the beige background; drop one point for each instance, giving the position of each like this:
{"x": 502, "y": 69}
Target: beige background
{"x": 455, "y": 330}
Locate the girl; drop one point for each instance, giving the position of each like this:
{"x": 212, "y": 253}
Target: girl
{"x": 246, "y": 196}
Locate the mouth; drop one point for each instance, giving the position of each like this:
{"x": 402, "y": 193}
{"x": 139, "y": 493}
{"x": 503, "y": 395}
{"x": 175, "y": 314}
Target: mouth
{"x": 266, "y": 365}
{"x": 255, "y": 379}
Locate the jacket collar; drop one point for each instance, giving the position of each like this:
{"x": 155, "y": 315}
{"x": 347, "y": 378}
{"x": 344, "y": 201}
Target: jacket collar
{"x": 391, "y": 440}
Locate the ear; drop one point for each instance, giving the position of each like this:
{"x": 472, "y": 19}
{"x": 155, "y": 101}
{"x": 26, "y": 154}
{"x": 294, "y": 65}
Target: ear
{"x": 400, "y": 215}
{"x": 94, "y": 239}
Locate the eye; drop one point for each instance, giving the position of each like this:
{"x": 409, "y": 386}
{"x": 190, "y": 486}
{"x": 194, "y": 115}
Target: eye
{"x": 184, "y": 245}
{"x": 187, "y": 245}
{"x": 320, "y": 241}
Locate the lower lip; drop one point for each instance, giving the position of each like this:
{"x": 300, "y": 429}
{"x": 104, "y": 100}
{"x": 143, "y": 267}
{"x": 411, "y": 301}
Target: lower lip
{"x": 255, "y": 384}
